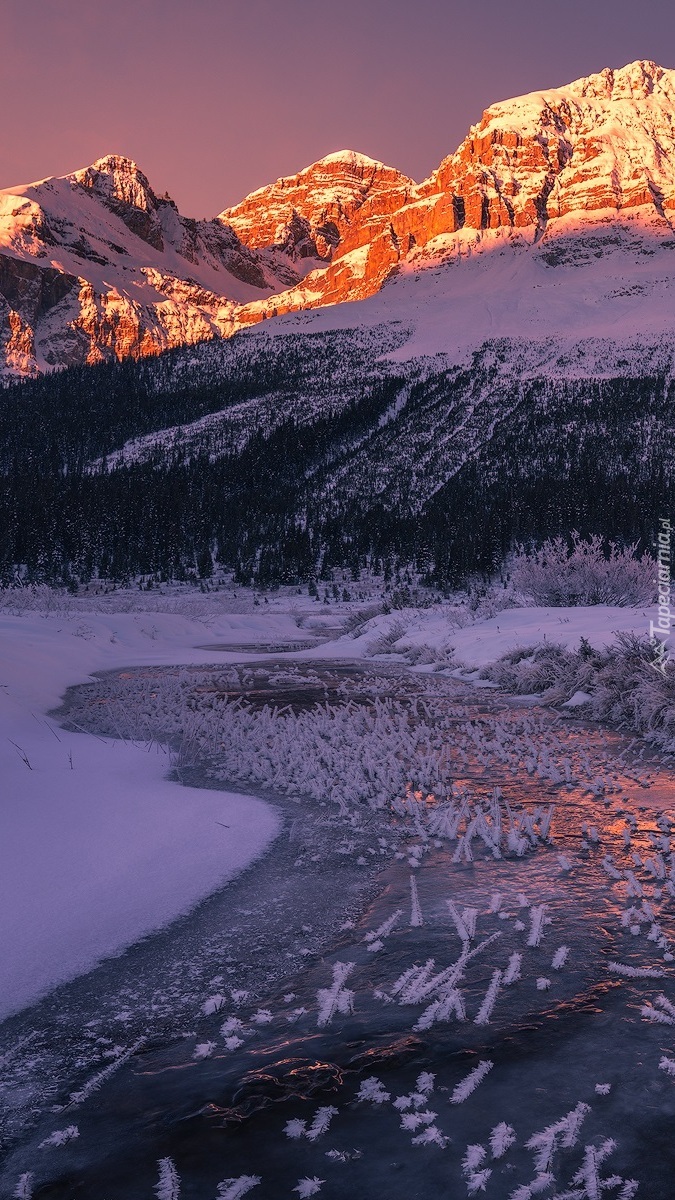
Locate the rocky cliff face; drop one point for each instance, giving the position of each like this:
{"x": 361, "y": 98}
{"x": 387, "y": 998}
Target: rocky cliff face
{"x": 310, "y": 215}
{"x": 97, "y": 265}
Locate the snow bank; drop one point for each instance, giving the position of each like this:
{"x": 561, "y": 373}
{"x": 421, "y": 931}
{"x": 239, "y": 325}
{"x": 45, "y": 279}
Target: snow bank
{"x": 97, "y": 847}
{"x": 474, "y": 644}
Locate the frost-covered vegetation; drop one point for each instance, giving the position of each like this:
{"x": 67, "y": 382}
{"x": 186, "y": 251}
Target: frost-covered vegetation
{"x": 521, "y": 874}
{"x": 583, "y": 571}
{"x": 618, "y": 685}
{"x": 374, "y": 750}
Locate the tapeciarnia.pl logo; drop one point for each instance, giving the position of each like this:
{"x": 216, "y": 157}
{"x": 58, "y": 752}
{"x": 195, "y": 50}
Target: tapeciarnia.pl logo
{"x": 659, "y": 631}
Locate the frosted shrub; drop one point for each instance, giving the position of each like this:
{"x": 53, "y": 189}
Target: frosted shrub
{"x": 533, "y": 670}
{"x": 585, "y": 573}
{"x": 624, "y": 687}
{"x": 356, "y": 622}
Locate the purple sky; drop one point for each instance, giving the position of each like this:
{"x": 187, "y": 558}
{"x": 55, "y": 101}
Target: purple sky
{"x": 215, "y": 98}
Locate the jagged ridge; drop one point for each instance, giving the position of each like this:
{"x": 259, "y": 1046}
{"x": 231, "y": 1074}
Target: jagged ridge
{"x": 96, "y": 264}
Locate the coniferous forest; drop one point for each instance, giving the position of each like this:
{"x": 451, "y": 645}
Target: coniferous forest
{"x": 281, "y": 458}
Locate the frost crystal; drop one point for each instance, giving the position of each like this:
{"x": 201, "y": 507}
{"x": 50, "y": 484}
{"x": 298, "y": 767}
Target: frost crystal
{"x": 560, "y": 958}
{"x": 373, "y": 1091}
{"x": 384, "y": 929}
{"x": 234, "y": 1189}
{"x": 295, "y": 1128}
{"x": 321, "y": 1122}
{"x": 473, "y": 1158}
{"x": 168, "y": 1185}
{"x": 24, "y": 1188}
{"x": 230, "y": 1026}
{"x": 485, "y": 1010}
{"x": 471, "y": 1082}
{"x": 60, "y": 1137}
{"x": 412, "y": 1121}
{"x": 566, "y": 1130}
{"x": 477, "y": 1181}
{"x": 430, "y": 1137}
{"x": 335, "y": 998}
{"x": 309, "y": 1187}
{"x": 212, "y": 1005}
{"x": 204, "y": 1050}
{"x": 416, "y": 918}
{"x": 635, "y": 972}
{"x": 537, "y": 921}
{"x": 502, "y": 1138}
{"x": 512, "y": 972}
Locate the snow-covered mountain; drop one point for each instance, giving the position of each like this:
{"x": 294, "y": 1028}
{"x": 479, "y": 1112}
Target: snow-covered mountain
{"x": 96, "y": 265}
{"x": 553, "y": 222}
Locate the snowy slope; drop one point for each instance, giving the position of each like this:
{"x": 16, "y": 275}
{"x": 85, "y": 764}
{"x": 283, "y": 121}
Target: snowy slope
{"x": 583, "y": 303}
{"x": 585, "y": 296}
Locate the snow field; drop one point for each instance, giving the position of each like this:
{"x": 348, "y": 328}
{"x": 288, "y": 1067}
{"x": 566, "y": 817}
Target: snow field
{"x": 451, "y": 632}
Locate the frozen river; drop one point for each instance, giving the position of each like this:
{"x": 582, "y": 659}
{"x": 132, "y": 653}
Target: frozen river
{"x": 466, "y": 990}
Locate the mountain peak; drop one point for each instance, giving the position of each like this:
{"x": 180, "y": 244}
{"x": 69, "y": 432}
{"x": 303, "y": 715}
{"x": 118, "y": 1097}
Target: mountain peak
{"x": 595, "y": 154}
{"x": 117, "y": 178}
{"x": 307, "y": 215}
{"x": 637, "y": 79}
{"x": 351, "y": 160}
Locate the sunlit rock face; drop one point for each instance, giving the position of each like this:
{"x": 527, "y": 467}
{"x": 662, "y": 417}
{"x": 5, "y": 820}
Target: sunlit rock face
{"x": 603, "y": 143}
{"x": 311, "y": 214}
{"x": 96, "y": 265}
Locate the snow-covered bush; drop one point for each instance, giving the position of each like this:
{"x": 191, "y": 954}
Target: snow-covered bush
{"x": 623, "y": 686}
{"x": 533, "y": 670}
{"x": 586, "y": 572}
